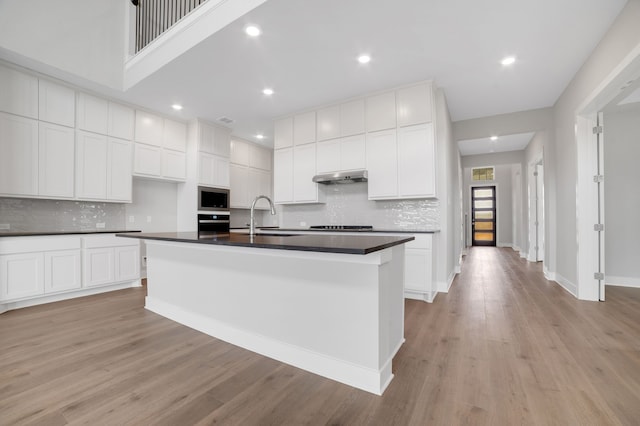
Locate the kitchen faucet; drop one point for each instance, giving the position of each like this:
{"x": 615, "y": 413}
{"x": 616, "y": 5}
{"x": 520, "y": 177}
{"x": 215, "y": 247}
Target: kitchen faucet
{"x": 252, "y": 224}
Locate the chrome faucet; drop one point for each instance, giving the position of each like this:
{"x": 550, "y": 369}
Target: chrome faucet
{"x": 252, "y": 224}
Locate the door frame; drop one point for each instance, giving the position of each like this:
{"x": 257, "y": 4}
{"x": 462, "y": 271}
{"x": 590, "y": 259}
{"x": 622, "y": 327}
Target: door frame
{"x": 493, "y": 184}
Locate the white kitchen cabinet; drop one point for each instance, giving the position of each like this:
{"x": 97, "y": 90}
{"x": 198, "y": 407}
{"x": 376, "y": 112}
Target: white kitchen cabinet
{"x": 108, "y": 259}
{"x": 304, "y": 168}
{"x": 92, "y": 114}
{"x": 214, "y": 139}
{"x": 147, "y": 160}
{"x": 121, "y": 121}
{"x": 174, "y": 164}
{"x": 149, "y": 128}
{"x": 381, "y": 112}
{"x": 259, "y": 158}
{"x": 259, "y": 184}
{"x": 415, "y": 104}
{"x": 239, "y": 182}
{"x": 119, "y": 170}
{"x": 328, "y": 126}
{"x": 352, "y": 118}
{"x": 304, "y": 128}
{"x": 328, "y": 156}
{"x": 21, "y": 275}
{"x": 19, "y": 93}
{"x": 416, "y": 162}
{"x": 283, "y": 175}
{"x": 213, "y": 170}
{"x": 98, "y": 266}
{"x": 56, "y": 103}
{"x": 91, "y": 166}
{"x": 353, "y": 153}
{"x": 56, "y": 160}
{"x": 382, "y": 164}
{"x": 127, "y": 263}
{"x": 174, "y": 135}
{"x": 239, "y": 152}
{"x": 62, "y": 270}
{"x": 419, "y": 272}
{"x": 283, "y": 133}
{"x": 18, "y": 155}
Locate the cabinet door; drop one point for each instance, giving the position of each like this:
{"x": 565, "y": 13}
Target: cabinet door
{"x": 148, "y": 128}
{"x": 62, "y": 270}
{"x": 98, "y": 266}
{"x": 174, "y": 135}
{"x": 382, "y": 164}
{"x": 416, "y": 161}
{"x": 283, "y": 133}
{"x": 283, "y": 175}
{"x": 18, "y": 155}
{"x": 174, "y": 165}
{"x": 56, "y": 104}
{"x": 239, "y": 176}
{"x": 56, "y": 158}
{"x": 213, "y": 170}
{"x": 304, "y": 168}
{"x": 352, "y": 118}
{"x": 381, "y": 112}
{"x": 417, "y": 270}
{"x": 21, "y": 275}
{"x": 221, "y": 165}
{"x": 91, "y": 178}
{"x": 240, "y": 152}
{"x": 353, "y": 153}
{"x": 19, "y": 93}
{"x": 93, "y": 114}
{"x": 119, "y": 174}
{"x": 414, "y": 105}
{"x": 127, "y": 263}
{"x": 328, "y": 123}
{"x": 304, "y": 128}
{"x": 261, "y": 186}
{"x": 121, "y": 121}
{"x": 147, "y": 160}
{"x": 259, "y": 158}
{"x": 222, "y": 141}
{"x": 328, "y": 156}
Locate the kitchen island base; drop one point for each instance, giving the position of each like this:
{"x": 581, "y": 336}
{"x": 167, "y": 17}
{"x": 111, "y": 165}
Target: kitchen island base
{"x": 337, "y": 315}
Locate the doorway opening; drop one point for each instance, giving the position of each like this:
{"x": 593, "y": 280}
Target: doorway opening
{"x": 483, "y": 216}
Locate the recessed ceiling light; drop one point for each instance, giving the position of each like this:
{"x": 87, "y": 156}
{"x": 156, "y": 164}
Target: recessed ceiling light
{"x": 494, "y": 138}
{"x": 252, "y": 30}
{"x": 177, "y": 107}
{"x": 259, "y": 136}
{"x": 509, "y": 60}
{"x": 268, "y": 91}
{"x": 364, "y": 59}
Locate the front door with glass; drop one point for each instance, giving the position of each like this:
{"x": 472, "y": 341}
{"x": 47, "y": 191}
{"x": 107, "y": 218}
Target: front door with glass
{"x": 483, "y": 215}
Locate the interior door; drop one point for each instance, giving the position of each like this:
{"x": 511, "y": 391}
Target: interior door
{"x": 483, "y": 216}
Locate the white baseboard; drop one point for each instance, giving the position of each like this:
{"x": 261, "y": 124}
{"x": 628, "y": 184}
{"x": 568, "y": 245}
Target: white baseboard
{"x": 622, "y": 281}
{"x": 562, "y": 281}
{"x": 418, "y": 295}
{"x": 508, "y": 245}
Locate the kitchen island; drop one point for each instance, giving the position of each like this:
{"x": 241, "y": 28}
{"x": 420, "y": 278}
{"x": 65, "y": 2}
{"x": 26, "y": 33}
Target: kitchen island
{"x": 332, "y": 305}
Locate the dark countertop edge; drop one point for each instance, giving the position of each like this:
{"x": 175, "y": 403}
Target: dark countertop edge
{"x": 374, "y": 230}
{"x": 310, "y": 248}
{"x": 44, "y": 233}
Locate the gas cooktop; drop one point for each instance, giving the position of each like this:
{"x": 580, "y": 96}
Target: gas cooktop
{"x": 343, "y": 227}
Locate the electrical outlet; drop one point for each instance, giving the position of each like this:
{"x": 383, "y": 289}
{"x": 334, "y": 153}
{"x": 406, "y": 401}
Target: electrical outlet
{"x": 5, "y": 226}
{"x": 100, "y": 225}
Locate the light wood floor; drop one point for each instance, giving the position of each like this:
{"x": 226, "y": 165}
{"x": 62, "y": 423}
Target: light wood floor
{"x": 504, "y": 347}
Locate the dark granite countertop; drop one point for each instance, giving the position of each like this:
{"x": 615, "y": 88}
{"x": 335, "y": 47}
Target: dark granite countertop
{"x": 39, "y": 233}
{"x": 374, "y": 230}
{"x": 347, "y": 244}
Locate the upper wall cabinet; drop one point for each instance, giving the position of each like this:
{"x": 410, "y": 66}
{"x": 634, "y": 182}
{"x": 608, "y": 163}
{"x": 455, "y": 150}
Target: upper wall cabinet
{"x": 121, "y": 121}
{"x": 18, "y": 155}
{"x": 328, "y": 123}
{"x": 213, "y": 139}
{"x": 283, "y": 133}
{"x": 174, "y": 135}
{"x": 19, "y": 93}
{"x": 381, "y": 112}
{"x": 56, "y": 104}
{"x": 93, "y": 114}
{"x": 415, "y": 105}
{"x": 304, "y": 128}
{"x": 352, "y": 118}
{"x": 149, "y": 128}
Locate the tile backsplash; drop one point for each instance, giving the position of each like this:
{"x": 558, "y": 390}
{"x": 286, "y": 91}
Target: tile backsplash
{"x": 27, "y": 215}
{"x": 347, "y": 204}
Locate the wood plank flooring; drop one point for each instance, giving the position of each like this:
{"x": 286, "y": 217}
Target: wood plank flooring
{"x": 503, "y": 347}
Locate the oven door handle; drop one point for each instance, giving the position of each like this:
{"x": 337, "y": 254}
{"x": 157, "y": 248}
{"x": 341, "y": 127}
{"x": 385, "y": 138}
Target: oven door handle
{"x": 213, "y": 221}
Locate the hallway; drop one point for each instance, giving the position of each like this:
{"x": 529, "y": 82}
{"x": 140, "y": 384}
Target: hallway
{"x": 503, "y": 347}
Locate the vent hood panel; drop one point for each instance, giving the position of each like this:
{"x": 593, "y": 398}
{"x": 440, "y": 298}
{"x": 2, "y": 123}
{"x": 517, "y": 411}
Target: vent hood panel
{"x": 341, "y": 177}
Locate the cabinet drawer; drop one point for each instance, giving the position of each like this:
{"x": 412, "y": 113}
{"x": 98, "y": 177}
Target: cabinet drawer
{"x": 422, "y": 241}
{"x": 13, "y": 245}
{"x": 109, "y": 240}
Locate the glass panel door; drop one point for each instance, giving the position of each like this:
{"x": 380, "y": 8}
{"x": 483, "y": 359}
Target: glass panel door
{"x": 483, "y": 215}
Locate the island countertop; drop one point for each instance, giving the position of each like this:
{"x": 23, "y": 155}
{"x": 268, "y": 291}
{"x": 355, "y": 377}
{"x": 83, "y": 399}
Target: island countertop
{"x": 346, "y": 244}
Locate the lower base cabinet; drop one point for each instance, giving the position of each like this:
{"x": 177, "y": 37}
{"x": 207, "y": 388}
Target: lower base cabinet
{"x": 110, "y": 259}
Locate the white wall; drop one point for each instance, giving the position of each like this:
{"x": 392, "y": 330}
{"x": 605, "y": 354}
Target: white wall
{"x": 85, "y": 38}
{"x": 622, "y": 194}
{"x": 155, "y": 200}
{"x": 561, "y": 155}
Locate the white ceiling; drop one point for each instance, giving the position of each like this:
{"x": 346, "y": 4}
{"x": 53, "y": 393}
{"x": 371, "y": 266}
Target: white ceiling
{"x": 307, "y": 54}
{"x": 507, "y": 143}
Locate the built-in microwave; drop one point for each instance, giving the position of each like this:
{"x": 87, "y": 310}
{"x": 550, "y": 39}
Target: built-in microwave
{"x": 213, "y": 199}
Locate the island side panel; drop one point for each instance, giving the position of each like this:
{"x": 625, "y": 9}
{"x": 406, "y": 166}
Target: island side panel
{"x": 320, "y": 312}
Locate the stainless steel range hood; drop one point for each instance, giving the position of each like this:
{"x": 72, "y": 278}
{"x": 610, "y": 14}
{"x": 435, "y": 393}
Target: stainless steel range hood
{"x": 341, "y": 177}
